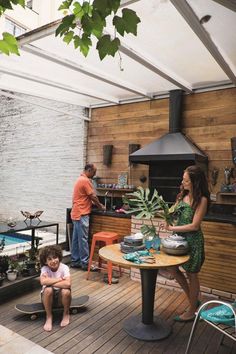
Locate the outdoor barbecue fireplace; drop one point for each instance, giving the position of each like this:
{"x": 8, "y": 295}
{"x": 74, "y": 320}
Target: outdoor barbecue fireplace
{"x": 168, "y": 156}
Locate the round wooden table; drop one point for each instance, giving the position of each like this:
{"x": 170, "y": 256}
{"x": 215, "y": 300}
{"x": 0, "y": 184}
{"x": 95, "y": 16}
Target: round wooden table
{"x": 149, "y": 328}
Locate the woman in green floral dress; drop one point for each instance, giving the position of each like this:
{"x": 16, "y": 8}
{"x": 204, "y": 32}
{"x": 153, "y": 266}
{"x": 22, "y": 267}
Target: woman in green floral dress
{"x": 194, "y": 198}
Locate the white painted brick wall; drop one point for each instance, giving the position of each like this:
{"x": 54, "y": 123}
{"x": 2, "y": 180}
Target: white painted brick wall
{"x": 42, "y": 152}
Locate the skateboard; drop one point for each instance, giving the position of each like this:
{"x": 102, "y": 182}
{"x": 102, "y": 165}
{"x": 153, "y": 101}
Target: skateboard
{"x": 35, "y": 309}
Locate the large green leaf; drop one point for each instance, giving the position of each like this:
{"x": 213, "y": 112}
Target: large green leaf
{"x": 106, "y": 46}
{"x": 19, "y": 2}
{"x": 127, "y": 23}
{"x": 114, "y": 4}
{"x": 98, "y": 25}
{"x": 102, "y": 7}
{"x": 66, "y": 24}
{"x": 8, "y": 45}
{"x": 7, "y": 4}
{"x": 65, "y": 5}
{"x": 78, "y": 10}
{"x": 85, "y": 43}
{"x": 68, "y": 37}
{"x": 4, "y": 47}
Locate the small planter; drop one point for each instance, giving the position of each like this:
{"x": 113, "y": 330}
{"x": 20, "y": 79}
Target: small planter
{"x": 31, "y": 267}
{"x": 1, "y": 280}
{"x": 11, "y": 275}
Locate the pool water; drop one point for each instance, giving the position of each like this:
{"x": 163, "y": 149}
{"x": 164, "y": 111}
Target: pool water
{"x": 15, "y": 238}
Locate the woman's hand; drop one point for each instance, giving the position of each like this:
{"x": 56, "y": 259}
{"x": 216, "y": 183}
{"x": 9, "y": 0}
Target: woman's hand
{"x": 165, "y": 226}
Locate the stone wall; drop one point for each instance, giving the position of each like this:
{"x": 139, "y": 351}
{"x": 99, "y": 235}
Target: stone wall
{"x": 42, "y": 152}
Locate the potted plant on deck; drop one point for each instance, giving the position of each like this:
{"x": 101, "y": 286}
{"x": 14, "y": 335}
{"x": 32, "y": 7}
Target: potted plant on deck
{"x": 4, "y": 263}
{"x": 30, "y": 267}
{"x": 13, "y": 268}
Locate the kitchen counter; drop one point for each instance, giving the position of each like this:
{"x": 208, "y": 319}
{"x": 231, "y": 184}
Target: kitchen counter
{"x": 218, "y": 217}
{"x": 111, "y": 213}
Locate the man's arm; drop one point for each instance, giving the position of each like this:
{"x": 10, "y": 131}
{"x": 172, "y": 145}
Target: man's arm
{"x": 96, "y": 201}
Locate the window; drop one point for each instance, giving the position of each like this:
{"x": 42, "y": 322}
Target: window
{"x": 29, "y": 4}
{"x": 13, "y": 28}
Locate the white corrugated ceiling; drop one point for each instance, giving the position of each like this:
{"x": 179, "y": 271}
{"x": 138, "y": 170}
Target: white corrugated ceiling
{"x": 172, "y": 50}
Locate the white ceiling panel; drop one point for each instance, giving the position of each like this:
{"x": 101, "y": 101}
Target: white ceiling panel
{"x": 173, "y": 49}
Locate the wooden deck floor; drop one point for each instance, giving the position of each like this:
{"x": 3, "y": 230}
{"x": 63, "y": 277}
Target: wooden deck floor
{"x": 98, "y": 329}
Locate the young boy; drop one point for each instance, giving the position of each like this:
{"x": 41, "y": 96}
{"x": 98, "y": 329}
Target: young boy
{"x": 56, "y": 284}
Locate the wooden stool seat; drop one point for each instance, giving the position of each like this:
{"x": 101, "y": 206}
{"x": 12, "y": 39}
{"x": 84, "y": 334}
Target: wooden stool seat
{"x": 108, "y": 238}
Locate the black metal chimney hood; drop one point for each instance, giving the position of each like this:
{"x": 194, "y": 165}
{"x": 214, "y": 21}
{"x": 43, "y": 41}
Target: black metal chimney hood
{"x": 172, "y": 146}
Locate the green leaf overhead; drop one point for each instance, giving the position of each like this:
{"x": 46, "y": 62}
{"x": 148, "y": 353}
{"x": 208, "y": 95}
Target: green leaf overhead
{"x": 107, "y": 46}
{"x": 127, "y": 23}
{"x": 65, "y": 5}
{"x": 66, "y": 24}
{"x": 85, "y": 21}
{"x": 8, "y": 45}
{"x": 68, "y": 37}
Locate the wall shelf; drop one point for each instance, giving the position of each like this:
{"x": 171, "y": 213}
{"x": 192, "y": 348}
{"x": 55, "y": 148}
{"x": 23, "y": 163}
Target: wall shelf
{"x": 232, "y": 194}
{"x": 115, "y": 189}
{"x": 226, "y": 198}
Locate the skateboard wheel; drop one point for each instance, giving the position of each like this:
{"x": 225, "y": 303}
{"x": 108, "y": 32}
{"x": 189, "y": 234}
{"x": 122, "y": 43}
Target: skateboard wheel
{"x": 74, "y": 311}
{"x": 33, "y": 317}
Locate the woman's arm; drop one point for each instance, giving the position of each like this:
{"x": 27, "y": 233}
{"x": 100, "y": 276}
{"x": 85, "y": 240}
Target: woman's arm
{"x": 197, "y": 219}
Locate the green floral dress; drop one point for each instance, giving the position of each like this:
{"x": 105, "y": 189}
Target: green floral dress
{"x": 195, "y": 240}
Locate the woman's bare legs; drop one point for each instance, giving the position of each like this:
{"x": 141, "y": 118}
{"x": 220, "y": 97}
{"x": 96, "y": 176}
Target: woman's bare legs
{"x": 191, "y": 289}
{"x": 194, "y": 289}
{"x": 180, "y": 278}
{"x": 47, "y": 300}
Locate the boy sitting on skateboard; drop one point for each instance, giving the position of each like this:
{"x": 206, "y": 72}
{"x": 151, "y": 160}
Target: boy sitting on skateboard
{"x": 56, "y": 284}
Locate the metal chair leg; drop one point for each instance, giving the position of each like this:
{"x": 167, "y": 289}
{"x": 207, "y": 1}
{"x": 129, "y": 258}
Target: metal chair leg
{"x": 192, "y": 334}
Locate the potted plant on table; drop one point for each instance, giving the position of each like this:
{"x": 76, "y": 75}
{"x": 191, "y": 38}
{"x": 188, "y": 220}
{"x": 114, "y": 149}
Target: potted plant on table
{"x": 146, "y": 205}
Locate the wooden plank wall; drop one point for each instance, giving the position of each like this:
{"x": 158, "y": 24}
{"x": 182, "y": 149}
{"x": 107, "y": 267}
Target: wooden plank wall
{"x": 209, "y": 120}
{"x": 219, "y": 268}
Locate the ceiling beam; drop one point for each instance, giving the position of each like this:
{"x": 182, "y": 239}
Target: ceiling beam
{"x": 193, "y": 21}
{"x": 84, "y": 69}
{"x": 60, "y": 98}
{"x": 38, "y": 33}
{"x": 139, "y": 58}
{"x": 230, "y": 4}
{"x": 125, "y": 3}
{"x": 47, "y": 30}
{"x": 11, "y": 95}
{"x": 44, "y": 81}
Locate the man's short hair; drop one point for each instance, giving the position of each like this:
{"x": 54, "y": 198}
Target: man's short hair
{"x": 89, "y": 166}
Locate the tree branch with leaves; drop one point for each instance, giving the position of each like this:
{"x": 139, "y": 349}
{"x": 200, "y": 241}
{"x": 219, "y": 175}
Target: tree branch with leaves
{"x": 84, "y": 23}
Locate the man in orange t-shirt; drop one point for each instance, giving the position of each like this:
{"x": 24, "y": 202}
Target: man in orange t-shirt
{"x": 84, "y": 197}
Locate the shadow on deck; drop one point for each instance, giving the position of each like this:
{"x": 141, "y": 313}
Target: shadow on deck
{"x": 98, "y": 328}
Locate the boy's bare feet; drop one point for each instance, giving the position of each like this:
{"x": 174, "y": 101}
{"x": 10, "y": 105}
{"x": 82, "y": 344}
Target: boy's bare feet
{"x": 48, "y": 324}
{"x": 65, "y": 320}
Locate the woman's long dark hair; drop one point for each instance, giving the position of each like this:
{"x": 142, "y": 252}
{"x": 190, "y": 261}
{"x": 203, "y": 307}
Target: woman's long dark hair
{"x": 199, "y": 184}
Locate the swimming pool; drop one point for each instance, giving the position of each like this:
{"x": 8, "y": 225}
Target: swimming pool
{"x": 11, "y": 239}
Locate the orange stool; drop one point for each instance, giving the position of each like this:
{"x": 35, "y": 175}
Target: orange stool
{"x": 108, "y": 238}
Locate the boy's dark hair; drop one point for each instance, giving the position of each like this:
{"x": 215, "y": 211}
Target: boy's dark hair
{"x": 50, "y": 251}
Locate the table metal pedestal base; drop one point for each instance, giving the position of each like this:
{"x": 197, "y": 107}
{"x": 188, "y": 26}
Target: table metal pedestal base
{"x": 159, "y": 329}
